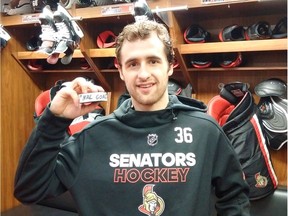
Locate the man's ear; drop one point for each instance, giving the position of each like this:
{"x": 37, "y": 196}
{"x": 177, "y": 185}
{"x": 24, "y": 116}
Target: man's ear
{"x": 118, "y": 66}
{"x": 170, "y": 70}
{"x": 121, "y": 73}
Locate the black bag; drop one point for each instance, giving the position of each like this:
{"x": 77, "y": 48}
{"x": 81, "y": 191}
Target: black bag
{"x": 240, "y": 119}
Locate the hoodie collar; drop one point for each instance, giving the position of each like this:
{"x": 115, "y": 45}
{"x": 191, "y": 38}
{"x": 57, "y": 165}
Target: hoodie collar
{"x": 144, "y": 119}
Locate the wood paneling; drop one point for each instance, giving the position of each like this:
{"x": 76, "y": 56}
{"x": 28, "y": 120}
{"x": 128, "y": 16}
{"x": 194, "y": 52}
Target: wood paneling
{"x": 17, "y": 106}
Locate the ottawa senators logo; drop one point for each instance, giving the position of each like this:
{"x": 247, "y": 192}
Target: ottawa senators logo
{"x": 153, "y": 205}
{"x": 261, "y": 181}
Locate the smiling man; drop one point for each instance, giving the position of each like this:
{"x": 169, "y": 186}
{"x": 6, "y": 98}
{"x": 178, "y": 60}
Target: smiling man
{"x": 144, "y": 66}
{"x": 157, "y": 154}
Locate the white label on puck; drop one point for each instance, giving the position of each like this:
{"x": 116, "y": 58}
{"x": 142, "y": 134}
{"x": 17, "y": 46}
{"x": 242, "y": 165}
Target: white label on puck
{"x": 93, "y": 97}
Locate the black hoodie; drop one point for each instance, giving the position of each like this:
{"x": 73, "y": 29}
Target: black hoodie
{"x": 164, "y": 162}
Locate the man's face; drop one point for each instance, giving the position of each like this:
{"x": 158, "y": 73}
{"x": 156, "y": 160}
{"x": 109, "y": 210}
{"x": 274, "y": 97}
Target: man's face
{"x": 145, "y": 71}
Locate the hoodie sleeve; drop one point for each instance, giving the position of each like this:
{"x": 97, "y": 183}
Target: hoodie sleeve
{"x": 36, "y": 176}
{"x": 228, "y": 179}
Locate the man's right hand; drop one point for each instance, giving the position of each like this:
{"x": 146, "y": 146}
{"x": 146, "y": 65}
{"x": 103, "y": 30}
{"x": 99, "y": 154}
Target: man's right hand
{"x": 66, "y": 102}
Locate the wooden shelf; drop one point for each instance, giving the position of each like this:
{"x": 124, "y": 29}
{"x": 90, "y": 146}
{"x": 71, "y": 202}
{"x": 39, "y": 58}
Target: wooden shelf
{"x": 115, "y": 10}
{"x": 17, "y": 20}
{"x": 107, "y": 52}
{"x": 234, "y": 46}
{"x": 93, "y": 53}
{"x": 119, "y": 10}
{"x": 26, "y": 55}
{"x": 215, "y": 47}
{"x": 215, "y": 69}
{"x": 99, "y": 12}
{"x": 197, "y": 4}
{"x": 63, "y": 71}
{"x": 26, "y": 19}
{"x": 212, "y": 69}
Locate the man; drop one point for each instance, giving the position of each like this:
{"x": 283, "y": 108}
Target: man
{"x": 157, "y": 154}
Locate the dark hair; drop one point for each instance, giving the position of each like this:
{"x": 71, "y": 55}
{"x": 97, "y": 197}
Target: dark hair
{"x": 142, "y": 30}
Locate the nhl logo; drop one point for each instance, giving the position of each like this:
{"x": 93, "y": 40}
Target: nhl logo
{"x": 152, "y": 139}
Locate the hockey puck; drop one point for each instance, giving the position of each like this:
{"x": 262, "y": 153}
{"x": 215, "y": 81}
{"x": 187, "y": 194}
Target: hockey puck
{"x": 93, "y": 97}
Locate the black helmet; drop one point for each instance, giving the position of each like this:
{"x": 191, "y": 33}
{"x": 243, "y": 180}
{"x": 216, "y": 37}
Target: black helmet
{"x": 273, "y": 109}
{"x": 196, "y": 34}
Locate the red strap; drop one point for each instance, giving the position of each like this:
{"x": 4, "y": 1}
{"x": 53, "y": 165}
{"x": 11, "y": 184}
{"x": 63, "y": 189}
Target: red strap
{"x": 220, "y": 109}
{"x": 74, "y": 128}
{"x": 41, "y": 102}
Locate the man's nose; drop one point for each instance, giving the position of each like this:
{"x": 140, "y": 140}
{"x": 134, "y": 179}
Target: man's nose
{"x": 143, "y": 72}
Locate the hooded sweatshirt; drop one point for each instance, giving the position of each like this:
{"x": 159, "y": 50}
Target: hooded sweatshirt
{"x": 129, "y": 163}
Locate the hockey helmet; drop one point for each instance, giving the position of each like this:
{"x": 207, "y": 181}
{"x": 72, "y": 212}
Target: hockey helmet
{"x": 201, "y": 60}
{"x": 230, "y": 60}
{"x": 273, "y": 106}
{"x": 106, "y": 39}
{"x": 259, "y": 30}
{"x": 271, "y": 87}
{"x": 196, "y": 34}
{"x": 280, "y": 29}
{"x": 175, "y": 88}
{"x": 232, "y": 33}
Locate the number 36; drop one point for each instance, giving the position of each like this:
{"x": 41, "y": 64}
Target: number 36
{"x": 183, "y": 135}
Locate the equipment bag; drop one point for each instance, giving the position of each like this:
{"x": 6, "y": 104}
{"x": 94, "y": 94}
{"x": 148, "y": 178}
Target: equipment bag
{"x": 239, "y": 116}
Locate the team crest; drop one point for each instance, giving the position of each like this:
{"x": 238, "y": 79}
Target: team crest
{"x": 153, "y": 205}
{"x": 152, "y": 139}
{"x": 261, "y": 181}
